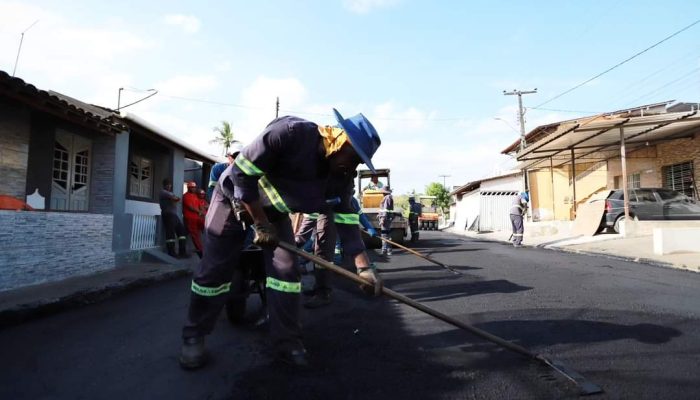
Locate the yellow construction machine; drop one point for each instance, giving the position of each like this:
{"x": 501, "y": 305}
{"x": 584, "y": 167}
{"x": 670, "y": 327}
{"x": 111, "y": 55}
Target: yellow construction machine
{"x": 370, "y": 199}
{"x": 429, "y": 216}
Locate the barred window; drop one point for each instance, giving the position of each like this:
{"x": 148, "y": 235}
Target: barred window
{"x": 679, "y": 177}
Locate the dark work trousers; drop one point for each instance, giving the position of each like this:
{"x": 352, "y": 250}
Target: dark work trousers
{"x": 326, "y": 235}
{"x": 517, "y": 222}
{"x": 224, "y": 241}
{"x": 350, "y": 239}
{"x": 385, "y": 227}
{"x": 174, "y": 229}
{"x": 306, "y": 229}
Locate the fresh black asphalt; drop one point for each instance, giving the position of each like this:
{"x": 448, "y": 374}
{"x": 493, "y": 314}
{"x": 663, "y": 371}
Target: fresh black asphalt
{"x": 631, "y": 328}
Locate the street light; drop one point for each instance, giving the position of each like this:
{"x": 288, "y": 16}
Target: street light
{"x": 507, "y": 123}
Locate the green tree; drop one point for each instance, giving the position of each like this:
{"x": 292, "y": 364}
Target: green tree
{"x": 224, "y": 136}
{"x": 443, "y": 196}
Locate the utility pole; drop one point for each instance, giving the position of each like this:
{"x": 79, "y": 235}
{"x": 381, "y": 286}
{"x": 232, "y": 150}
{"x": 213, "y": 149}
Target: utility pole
{"x": 277, "y": 108}
{"x": 521, "y": 111}
{"x": 443, "y": 179}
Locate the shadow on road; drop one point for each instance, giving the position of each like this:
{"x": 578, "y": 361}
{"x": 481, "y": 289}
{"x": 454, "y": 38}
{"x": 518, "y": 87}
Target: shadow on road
{"x": 544, "y": 333}
{"x": 457, "y": 290}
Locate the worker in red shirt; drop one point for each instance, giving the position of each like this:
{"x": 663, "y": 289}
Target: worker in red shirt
{"x": 192, "y": 213}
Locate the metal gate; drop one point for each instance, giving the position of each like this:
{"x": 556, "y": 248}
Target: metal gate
{"x": 494, "y": 210}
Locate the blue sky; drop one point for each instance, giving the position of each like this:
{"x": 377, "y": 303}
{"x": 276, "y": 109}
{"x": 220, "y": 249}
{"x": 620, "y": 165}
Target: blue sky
{"x": 429, "y": 75}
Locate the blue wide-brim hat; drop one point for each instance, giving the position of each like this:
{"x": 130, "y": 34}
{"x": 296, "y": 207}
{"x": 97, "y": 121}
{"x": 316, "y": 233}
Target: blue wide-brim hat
{"x": 363, "y": 137}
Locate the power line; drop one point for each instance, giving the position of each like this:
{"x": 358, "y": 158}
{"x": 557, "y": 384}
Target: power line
{"x": 618, "y": 64}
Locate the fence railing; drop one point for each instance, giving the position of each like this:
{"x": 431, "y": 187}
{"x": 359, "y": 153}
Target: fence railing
{"x": 143, "y": 231}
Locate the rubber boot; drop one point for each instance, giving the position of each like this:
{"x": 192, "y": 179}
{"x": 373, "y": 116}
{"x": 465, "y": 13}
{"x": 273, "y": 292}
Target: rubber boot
{"x": 183, "y": 247}
{"x": 171, "y": 249}
{"x": 321, "y": 298}
{"x": 193, "y": 354}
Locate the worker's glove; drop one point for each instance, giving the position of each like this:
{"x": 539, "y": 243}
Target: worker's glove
{"x": 372, "y": 232}
{"x": 265, "y": 235}
{"x": 370, "y": 274}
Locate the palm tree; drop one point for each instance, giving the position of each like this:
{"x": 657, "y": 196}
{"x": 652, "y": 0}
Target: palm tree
{"x": 225, "y": 136}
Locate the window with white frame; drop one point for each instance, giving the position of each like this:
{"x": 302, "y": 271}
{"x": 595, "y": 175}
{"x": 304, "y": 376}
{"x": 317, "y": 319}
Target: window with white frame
{"x": 634, "y": 181}
{"x": 140, "y": 177}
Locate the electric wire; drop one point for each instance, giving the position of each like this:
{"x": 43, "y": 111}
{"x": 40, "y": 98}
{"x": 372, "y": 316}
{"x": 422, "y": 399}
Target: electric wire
{"x": 618, "y": 64}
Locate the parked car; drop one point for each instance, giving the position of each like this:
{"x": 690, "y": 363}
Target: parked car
{"x": 648, "y": 204}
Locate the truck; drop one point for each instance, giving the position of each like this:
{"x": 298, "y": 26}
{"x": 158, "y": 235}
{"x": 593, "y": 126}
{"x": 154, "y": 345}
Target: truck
{"x": 429, "y": 216}
{"x": 370, "y": 200}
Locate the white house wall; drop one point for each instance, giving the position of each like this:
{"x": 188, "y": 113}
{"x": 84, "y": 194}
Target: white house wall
{"x": 466, "y": 210}
{"x": 507, "y": 183}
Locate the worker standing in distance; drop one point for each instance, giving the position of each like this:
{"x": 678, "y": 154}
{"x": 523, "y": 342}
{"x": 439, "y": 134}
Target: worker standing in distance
{"x": 414, "y": 211}
{"x": 386, "y": 215}
{"x": 219, "y": 168}
{"x": 174, "y": 229}
{"x": 191, "y": 214}
{"x": 517, "y": 213}
{"x": 295, "y": 165}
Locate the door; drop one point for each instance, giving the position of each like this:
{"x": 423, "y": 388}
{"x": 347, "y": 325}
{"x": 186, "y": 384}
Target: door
{"x": 70, "y": 188}
{"x": 647, "y": 206}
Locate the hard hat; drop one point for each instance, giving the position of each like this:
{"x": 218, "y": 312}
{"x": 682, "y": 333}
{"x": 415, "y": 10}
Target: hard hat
{"x": 363, "y": 137}
{"x": 235, "y": 148}
{"x": 191, "y": 184}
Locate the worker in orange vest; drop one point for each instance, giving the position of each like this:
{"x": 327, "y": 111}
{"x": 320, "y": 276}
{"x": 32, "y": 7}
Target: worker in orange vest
{"x": 192, "y": 213}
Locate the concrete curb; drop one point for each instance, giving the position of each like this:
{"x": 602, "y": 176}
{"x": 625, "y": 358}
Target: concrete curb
{"x": 639, "y": 260}
{"x": 46, "y": 306}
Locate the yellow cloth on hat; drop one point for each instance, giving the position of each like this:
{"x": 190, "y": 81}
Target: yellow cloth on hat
{"x": 333, "y": 138}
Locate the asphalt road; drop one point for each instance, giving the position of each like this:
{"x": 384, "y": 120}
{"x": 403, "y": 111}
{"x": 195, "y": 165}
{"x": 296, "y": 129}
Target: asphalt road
{"x": 630, "y": 328}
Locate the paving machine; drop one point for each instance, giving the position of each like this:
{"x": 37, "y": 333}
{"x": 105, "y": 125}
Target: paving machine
{"x": 370, "y": 200}
{"x": 429, "y": 216}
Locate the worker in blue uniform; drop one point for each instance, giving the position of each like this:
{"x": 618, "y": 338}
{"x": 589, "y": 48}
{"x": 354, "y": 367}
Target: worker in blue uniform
{"x": 219, "y": 168}
{"x": 518, "y": 209}
{"x": 345, "y": 221}
{"x": 295, "y": 165}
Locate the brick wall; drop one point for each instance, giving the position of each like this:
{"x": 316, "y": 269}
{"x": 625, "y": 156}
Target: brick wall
{"x": 39, "y": 247}
{"x": 679, "y": 151}
{"x": 14, "y": 150}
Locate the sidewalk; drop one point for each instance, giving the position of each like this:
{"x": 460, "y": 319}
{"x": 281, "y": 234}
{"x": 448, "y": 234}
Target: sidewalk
{"x": 29, "y": 302}
{"x": 637, "y": 249}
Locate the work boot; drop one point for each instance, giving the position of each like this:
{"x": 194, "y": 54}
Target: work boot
{"x": 297, "y": 358}
{"x": 320, "y": 299}
{"x": 193, "y": 354}
{"x": 183, "y": 248}
{"x": 170, "y": 246}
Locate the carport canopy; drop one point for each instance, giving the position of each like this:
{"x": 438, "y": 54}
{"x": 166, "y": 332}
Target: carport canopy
{"x": 601, "y": 137}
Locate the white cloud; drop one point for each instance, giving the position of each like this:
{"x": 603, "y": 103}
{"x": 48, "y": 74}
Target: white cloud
{"x": 188, "y": 23}
{"x": 365, "y": 6}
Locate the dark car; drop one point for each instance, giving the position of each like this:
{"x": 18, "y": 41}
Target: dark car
{"x": 648, "y": 204}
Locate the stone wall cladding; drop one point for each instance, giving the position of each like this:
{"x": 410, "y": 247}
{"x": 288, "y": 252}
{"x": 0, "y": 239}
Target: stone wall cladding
{"x": 102, "y": 178}
{"x": 14, "y": 150}
{"x": 40, "y": 247}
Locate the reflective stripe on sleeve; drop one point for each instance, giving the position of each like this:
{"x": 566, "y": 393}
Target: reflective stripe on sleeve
{"x": 348, "y": 219}
{"x": 273, "y": 195}
{"x": 247, "y": 167}
{"x": 283, "y": 286}
{"x": 211, "y": 291}
{"x": 312, "y": 216}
